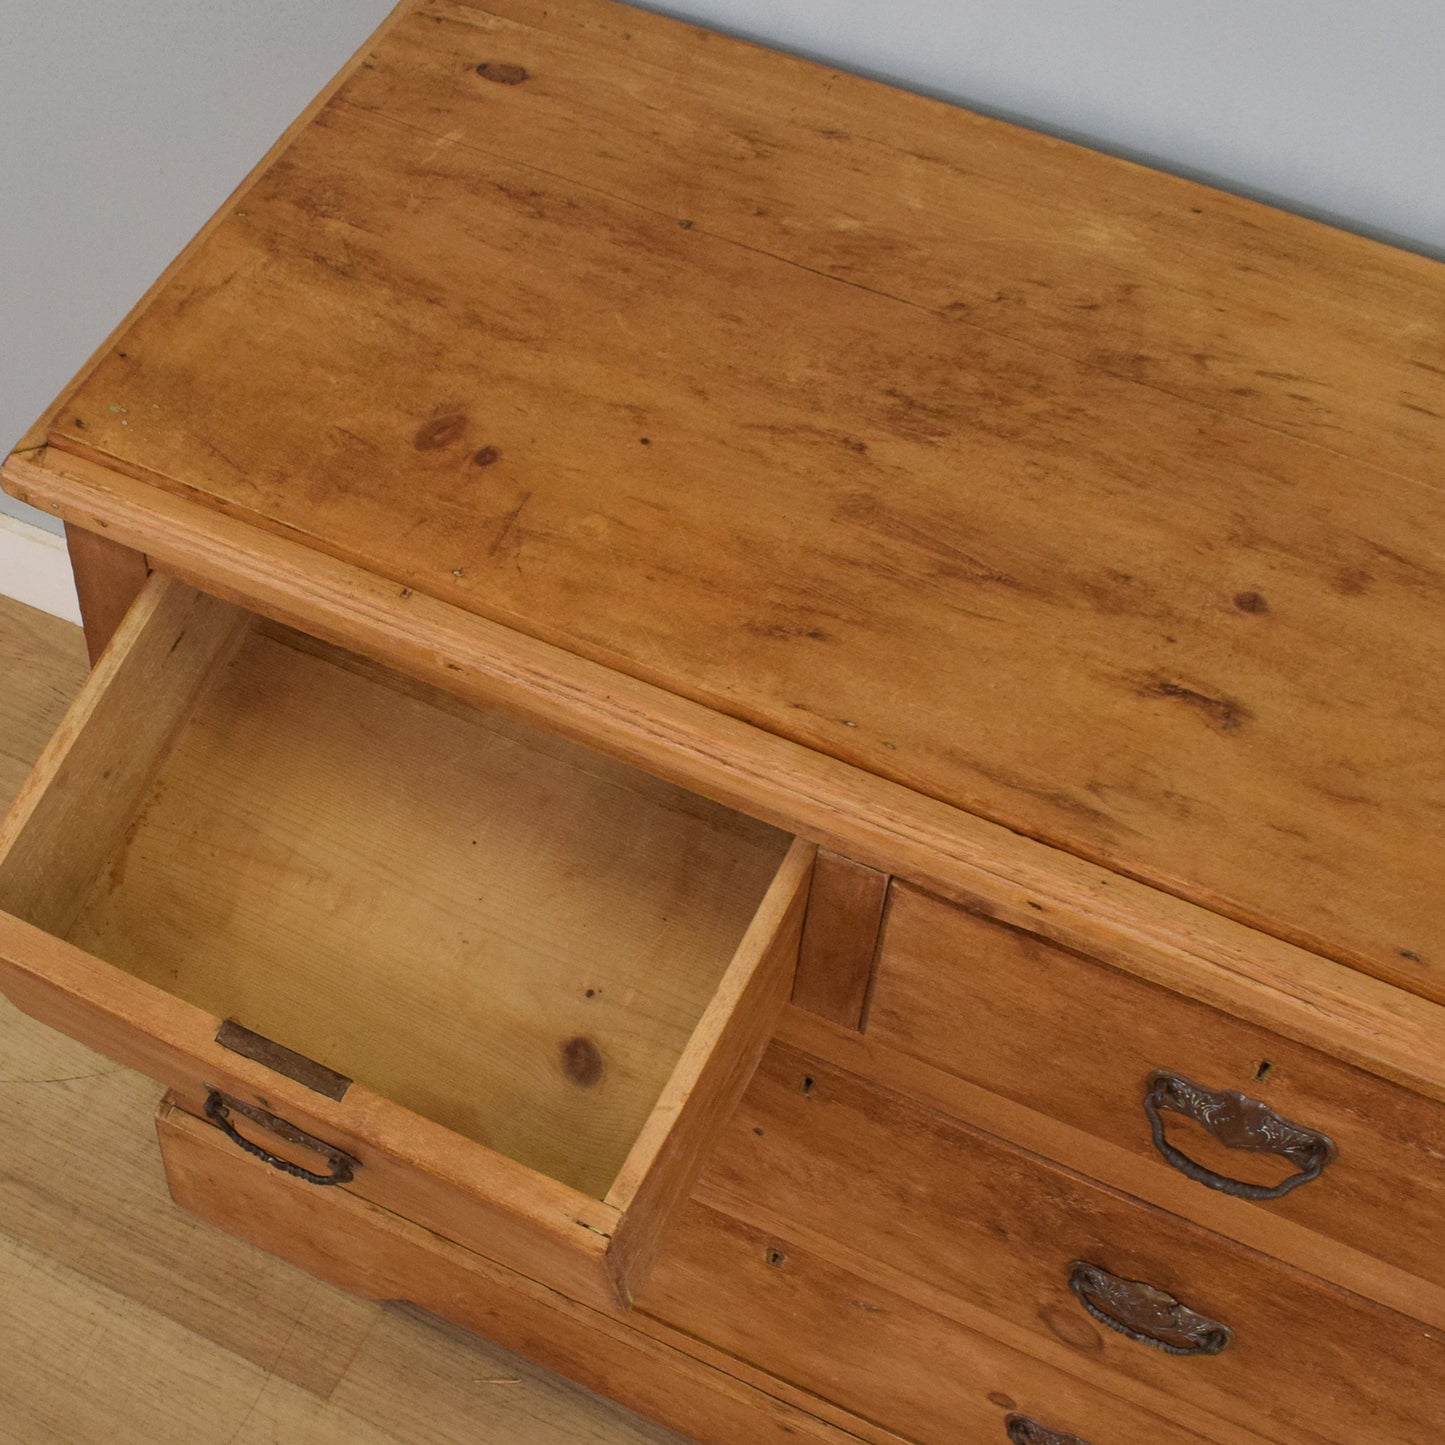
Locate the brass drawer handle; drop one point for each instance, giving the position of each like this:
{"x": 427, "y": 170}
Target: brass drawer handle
{"x": 1237, "y": 1122}
{"x": 218, "y": 1111}
{"x": 1023, "y": 1431}
{"x": 1141, "y": 1312}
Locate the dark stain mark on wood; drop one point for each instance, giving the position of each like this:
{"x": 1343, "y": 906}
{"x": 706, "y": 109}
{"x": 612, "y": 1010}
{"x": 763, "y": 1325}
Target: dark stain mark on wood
{"x": 530, "y": 200}
{"x": 1350, "y": 800}
{"x": 803, "y": 431}
{"x": 1410, "y": 955}
{"x": 1352, "y": 582}
{"x": 776, "y": 1258}
{"x": 1054, "y": 797}
{"x": 1226, "y": 714}
{"x": 501, "y": 72}
{"x": 509, "y": 525}
{"x": 1004, "y": 1402}
{"x": 917, "y": 417}
{"x": 487, "y": 457}
{"x": 784, "y": 632}
{"x": 1251, "y": 602}
{"x": 929, "y": 536}
{"x": 582, "y": 1061}
{"x": 1398, "y": 558}
{"x": 440, "y": 432}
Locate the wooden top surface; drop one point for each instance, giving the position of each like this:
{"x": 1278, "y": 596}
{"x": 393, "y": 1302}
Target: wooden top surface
{"x": 1095, "y": 502}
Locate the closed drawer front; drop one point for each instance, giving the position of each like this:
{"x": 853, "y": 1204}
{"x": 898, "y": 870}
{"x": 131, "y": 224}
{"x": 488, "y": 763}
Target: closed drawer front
{"x": 515, "y": 985}
{"x": 990, "y": 1237}
{"x": 780, "y": 1305}
{"x": 1080, "y": 1042}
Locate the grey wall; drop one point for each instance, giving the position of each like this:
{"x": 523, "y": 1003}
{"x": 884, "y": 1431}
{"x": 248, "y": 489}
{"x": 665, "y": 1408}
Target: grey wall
{"x": 125, "y": 123}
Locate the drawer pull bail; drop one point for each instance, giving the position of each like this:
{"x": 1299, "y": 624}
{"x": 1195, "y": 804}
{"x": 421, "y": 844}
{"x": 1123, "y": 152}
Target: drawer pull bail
{"x": 1023, "y": 1431}
{"x": 1237, "y": 1122}
{"x": 1141, "y": 1312}
{"x": 219, "y": 1107}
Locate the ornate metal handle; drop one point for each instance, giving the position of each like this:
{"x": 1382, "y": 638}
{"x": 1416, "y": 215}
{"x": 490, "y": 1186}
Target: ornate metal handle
{"x": 218, "y": 1111}
{"x": 1143, "y": 1313}
{"x": 1237, "y": 1122}
{"x": 1023, "y": 1431}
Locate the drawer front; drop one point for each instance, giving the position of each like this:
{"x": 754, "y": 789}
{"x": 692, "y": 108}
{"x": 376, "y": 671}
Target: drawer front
{"x": 518, "y": 985}
{"x": 1079, "y": 1041}
{"x": 767, "y": 1299}
{"x": 975, "y": 1229}
{"x": 382, "y": 1256}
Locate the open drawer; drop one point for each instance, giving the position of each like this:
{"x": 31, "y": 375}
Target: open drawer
{"x": 506, "y": 985}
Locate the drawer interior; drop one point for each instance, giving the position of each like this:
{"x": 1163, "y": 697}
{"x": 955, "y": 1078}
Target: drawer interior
{"x": 495, "y": 928}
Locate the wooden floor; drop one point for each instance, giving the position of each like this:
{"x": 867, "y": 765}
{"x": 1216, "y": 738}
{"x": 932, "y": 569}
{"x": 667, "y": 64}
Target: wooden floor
{"x": 123, "y": 1321}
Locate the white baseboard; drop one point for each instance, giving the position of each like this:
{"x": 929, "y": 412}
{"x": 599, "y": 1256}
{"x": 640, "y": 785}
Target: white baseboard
{"x": 35, "y": 569}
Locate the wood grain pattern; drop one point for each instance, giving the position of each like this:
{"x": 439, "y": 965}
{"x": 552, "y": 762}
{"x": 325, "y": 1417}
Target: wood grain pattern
{"x": 108, "y": 578}
{"x": 1202, "y": 294}
{"x": 1121, "y": 1168}
{"x": 139, "y": 1377}
{"x": 84, "y": 1363}
{"x": 840, "y": 938}
{"x": 1070, "y": 1038}
{"x": 711, "y": 1074}
{"x": 42, "y": 665}
{"x": 428, "y": 1173}
{"x": 1059, "y": 537}
{"x": 1169, "y": 941}
{"x": 424, "y": 884}
{"x": 1231, "y": 675}
{"x": 373, "y": 1253}
{"x": 963, "y": 1223}
{"x": 127, "y": 1321}
{"x": 495, "y": 938}
{"x": 89, "y": 782}
{"x": 768, "y": 1298}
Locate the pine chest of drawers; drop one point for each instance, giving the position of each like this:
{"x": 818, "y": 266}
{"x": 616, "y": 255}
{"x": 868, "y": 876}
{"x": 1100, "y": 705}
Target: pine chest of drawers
{"x": 777, "y": 743}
